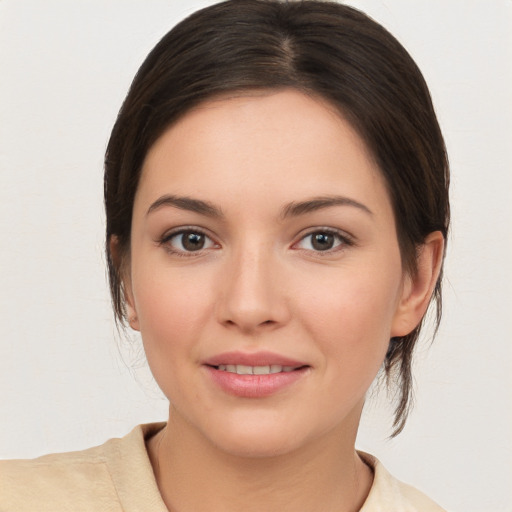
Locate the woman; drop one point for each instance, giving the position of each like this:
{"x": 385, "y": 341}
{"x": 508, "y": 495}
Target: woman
{"x": 276, "y": 190}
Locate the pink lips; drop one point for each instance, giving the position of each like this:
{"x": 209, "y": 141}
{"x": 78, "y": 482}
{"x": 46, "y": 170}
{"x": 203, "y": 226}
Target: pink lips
{"x": 256, "y": 359}
{"x": 250, "y": 385}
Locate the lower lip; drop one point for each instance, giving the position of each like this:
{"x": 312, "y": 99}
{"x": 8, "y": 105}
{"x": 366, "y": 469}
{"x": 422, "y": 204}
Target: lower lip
{"x": 254, "y": 386}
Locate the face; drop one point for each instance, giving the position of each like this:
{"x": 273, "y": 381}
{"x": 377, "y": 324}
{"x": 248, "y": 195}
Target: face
{"x": 265, "y": 274}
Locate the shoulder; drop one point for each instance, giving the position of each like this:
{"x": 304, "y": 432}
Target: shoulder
{"x": 389, "y": 493}
{"x": 64, "y": 481}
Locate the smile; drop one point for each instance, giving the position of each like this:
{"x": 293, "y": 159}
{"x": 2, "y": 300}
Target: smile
{"x": 255, "y": 375}
{"x": 241, "y": 369}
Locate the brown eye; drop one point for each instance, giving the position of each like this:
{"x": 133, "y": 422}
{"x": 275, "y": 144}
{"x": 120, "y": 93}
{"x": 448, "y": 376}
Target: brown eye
{"x": 187, "y": 241}
{"x": 192, "y": 241}
{"x": 322, "y": 241}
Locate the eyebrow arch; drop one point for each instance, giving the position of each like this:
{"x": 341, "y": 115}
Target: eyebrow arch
{"x": 317, "y": 203}
{"x": 186, "y": 203}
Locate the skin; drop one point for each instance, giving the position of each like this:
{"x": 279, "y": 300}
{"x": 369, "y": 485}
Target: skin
{"x": 260, "y": 284}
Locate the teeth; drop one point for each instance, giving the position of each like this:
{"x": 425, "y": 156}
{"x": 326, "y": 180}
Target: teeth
{"x": 261, "y": 370}
{"x": 241, "y": 369}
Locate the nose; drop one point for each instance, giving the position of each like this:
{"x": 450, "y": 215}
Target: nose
{"x": 253, "y": 295}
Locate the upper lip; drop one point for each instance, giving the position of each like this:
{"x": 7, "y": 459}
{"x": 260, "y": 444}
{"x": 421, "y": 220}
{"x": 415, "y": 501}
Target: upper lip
{"x": 253, "y": 359}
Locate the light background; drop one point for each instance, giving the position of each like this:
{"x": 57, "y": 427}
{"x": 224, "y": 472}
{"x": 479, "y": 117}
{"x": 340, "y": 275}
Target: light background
{"x": 64, "y": 70}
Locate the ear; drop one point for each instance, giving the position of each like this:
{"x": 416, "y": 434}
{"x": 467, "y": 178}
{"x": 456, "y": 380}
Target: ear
{"x": 122, "y": 265}
{"x": 418, "y": 288}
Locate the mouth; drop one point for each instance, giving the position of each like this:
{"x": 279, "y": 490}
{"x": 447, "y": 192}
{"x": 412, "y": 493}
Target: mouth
{"x": 242, "y": 369}
{"x": 255, "y": 363}
{"x": 256, "y": 375}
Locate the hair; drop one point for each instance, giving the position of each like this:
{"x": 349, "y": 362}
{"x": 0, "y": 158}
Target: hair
{"x": 320, "y": 48}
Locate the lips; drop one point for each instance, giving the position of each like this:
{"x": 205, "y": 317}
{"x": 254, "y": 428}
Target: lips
{"x": 242, "y": 369}
{"x": 255, "y": 359}
{"x": 255, "y": 375}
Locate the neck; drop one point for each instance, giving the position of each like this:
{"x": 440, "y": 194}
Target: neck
{"x": 194, "y": 475}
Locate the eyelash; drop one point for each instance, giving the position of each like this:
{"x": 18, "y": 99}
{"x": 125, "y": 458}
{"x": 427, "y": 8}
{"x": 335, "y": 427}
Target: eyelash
{"x": 167, "y": 237}
{"x": 344, "y": 240}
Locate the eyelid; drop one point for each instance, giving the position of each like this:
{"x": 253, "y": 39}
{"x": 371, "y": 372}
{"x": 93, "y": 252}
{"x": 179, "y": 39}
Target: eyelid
{"x": 181, "y": 229}
{"x": 346, "y": 239}
{"x": 171, "y": 233}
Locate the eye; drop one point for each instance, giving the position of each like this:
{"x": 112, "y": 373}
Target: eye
{"x": 189, "y": 240}
{"x": 322, "y": 240}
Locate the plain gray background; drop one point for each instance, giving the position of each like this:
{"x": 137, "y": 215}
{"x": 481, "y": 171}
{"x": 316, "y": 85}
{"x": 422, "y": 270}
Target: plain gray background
{"x": 64, "y": 70}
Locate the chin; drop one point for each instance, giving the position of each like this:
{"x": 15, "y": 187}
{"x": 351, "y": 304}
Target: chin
{"x": 257, "y": 435}
{"x": 257, "y": 446}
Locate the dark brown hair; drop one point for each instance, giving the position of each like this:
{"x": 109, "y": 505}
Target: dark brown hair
{"x": 321, "y": 48}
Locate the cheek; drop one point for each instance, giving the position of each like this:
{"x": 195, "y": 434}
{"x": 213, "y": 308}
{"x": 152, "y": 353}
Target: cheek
{"x": 351, "y": 316}
{"x": 172, "y": 308}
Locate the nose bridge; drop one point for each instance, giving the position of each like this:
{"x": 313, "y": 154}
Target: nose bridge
{"x": 251, "y": 296}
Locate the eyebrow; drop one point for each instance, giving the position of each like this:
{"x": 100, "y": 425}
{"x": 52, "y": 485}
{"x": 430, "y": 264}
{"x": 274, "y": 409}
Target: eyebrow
{"x": 318, "y": 203}
{"x": 293, "y": 209}
{"x": 186, "y": 203}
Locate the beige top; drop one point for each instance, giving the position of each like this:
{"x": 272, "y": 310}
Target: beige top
{"x": 117, "y": 476}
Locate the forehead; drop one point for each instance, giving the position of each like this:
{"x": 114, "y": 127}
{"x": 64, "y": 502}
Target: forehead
{"x": 273, "y": 142}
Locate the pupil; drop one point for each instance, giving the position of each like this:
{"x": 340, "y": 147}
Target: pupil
{"x": 193, "y": 241}
{"x": 323, "y": 241}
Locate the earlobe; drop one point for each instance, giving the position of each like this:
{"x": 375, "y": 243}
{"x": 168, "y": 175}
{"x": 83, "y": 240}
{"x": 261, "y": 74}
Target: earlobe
{"x": 133, "y": 321}
{"x": 418, "y": 288}
{"x": 123, "y": 270}
{"x": 131, "y": 312}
